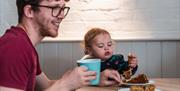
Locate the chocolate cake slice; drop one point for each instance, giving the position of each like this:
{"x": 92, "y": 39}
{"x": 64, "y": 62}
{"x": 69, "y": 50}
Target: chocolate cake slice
{"x": 141, "y": 78}
{"x": 127, "y": 73}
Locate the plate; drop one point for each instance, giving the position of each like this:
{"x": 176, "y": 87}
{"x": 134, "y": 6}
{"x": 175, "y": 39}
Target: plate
{"x": 127, "y": 89}
{"x": 130, "y": 84}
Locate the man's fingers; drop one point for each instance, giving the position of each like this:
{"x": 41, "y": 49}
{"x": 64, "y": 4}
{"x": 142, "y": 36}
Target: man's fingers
{"x": 110, "y": 82}
{"x": 115, "y": 75}
{"x": 83, "y": 68}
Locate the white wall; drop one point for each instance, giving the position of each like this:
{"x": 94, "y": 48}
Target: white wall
{"x": 8, "y": 14}
{"x": 125, "y": 19}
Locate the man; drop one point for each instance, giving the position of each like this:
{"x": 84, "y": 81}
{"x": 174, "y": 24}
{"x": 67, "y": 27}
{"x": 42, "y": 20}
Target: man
{"x": 19, "y": 63}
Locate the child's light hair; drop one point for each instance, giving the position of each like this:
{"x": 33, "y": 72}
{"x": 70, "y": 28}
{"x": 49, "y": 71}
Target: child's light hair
{"x": 90, "y": 35}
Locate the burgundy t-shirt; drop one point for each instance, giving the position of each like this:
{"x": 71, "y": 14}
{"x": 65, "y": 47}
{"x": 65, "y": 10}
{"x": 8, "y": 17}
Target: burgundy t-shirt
{"x": 19, "y": 62}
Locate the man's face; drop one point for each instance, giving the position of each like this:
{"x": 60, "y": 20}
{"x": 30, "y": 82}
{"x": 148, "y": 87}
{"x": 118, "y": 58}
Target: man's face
{"x": 46, "y": 23}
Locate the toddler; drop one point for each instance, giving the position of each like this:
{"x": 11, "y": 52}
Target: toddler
{"x": 98, "y": 44}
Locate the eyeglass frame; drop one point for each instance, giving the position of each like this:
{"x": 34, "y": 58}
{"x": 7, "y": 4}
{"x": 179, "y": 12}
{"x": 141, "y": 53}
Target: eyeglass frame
{"x": 52, "y": 9}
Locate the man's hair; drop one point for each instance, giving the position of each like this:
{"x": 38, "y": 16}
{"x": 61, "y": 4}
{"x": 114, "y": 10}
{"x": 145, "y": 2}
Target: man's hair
{"x": 22, "y": 3}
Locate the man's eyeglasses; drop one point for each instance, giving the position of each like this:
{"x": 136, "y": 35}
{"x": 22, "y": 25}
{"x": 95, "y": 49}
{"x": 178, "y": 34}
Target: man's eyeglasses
{"x": 56, "y": 10}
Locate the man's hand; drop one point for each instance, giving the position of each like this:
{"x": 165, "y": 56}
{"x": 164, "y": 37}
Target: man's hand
{"x": 74, "y": 79}
{"x": 112, "y": 74}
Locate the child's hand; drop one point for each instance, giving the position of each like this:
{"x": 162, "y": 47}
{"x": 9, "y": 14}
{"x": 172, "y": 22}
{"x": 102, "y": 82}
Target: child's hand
{"x": 132, "y": 60}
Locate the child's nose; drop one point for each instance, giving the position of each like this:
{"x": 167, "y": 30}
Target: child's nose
{"x": 106, "y": 48}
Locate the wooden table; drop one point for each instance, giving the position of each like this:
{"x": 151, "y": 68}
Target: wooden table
{"x": 164, "y": 84}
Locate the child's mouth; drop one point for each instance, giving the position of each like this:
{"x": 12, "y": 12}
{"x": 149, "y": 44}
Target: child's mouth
{"x": 107, "y": 53}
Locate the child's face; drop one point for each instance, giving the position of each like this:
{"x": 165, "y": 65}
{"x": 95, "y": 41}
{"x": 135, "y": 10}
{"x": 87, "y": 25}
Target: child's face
{"x": 102, "y": 47}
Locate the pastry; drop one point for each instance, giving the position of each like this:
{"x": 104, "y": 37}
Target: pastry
{"x": 141, "y": 78}
{"x": 149, "y": 87}
{"x": 136, "y": 88}
{"x": 127, "y": 73}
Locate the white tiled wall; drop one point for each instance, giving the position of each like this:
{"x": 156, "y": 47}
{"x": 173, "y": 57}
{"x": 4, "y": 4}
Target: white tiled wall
{"x": 125, "y": 19}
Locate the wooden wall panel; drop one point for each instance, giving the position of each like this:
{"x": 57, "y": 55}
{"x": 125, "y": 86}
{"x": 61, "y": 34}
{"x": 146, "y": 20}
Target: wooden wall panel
{"x": 39, "y": 49}
{"x": 169, "y": 59}
{"x": 155, "y": 58}
{"x": 178, "y": 59}
{"x": 78, "y": 53}
{"x": 50, "y": 59}
{"x": 64, "y": 57}
{"x": 123, "y": 48}
{"x": 139, "y": 48}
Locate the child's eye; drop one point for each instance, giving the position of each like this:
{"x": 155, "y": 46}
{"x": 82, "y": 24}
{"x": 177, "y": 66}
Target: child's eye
{"x": 100, "y": 46}
{"x": 109, "y": 44}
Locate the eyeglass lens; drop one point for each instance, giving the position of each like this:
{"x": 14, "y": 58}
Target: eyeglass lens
{"x": 58, "y": 10}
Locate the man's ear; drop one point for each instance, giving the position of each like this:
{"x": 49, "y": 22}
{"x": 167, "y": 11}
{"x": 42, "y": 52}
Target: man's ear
{"x": 28, "y": 12}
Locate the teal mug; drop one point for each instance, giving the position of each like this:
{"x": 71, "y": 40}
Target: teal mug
{"x": 92, "y": 65}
